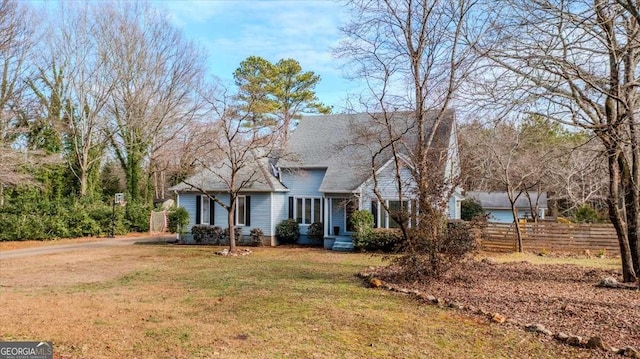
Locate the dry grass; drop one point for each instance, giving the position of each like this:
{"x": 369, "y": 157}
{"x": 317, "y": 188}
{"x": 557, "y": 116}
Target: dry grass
{"x": 609, "y": 262}
{"x": 10, "y": 245}
{"x": 184, "y": 302}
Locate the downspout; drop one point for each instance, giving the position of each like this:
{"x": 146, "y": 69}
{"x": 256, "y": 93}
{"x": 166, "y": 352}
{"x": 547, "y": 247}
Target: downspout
{"x": 177, "y": 200}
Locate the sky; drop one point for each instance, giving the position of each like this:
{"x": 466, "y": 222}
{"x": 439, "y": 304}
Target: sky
{"x": 303, "y": 30}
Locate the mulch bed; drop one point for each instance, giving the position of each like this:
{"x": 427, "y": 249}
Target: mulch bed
{"x": 564, "y": 298}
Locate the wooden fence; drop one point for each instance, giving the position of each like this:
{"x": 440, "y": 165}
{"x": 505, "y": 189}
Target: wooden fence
{"x": 555, "y": 237}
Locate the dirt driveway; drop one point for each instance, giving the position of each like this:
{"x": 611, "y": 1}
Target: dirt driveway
{"x": 53, "y": 249}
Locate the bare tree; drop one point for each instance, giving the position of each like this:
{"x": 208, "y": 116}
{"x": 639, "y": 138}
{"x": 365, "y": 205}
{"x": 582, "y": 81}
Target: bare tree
{"x": 178, "y": 158}
{"x": 16, "y": 42}
{"x": 576, "y": 61}
{"x": 413, "y": 56}
{"x": 235, "y": 155}
{"x": 512, "y": 160}
{"x": 157, "y": 74}
{"x": 581, "y": 177}
{"x": 74, "y": 85}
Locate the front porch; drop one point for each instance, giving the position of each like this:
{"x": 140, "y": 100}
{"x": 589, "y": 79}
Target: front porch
{"x": 337, "y": 228}
{"x": 338, "y": 243}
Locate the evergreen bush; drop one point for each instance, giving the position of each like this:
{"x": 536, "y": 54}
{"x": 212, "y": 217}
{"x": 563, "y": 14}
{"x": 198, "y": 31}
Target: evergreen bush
{"x": 363, "y": 225}
{"x": 204, "y": 233}
{"x": 178, "y": 219}
{"x": 288, "y": 231}
{"x": 470, "y": 209}
{"x": 315, "y": 230}
{"x": 586, "y": 214}
{"x": 224, "y": 239}
{"x": 256, "y": 237}
{"x": 137, "y": 216}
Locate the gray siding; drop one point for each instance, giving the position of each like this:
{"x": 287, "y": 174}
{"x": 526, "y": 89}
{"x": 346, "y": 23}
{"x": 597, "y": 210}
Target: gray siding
{"x": 220, "y": 213}
{"x": 505, "y": 215}
{"x": 337, "y": 215}
{"x": 303, "y": 183}
{"x": 260, "y": 211}
{"x": 188, "y": 202}
{"x": 260, "y": 217}
{"x": 387, "y": 185}
{"x": 279, "y": 209}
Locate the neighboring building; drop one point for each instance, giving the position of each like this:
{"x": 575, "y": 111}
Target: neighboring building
{"x": 325, "y": 177}
{"x": 497, "y": 205}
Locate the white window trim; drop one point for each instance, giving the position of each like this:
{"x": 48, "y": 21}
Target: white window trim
{"x": 313, "y": 200}
{"x": 382, "y": 215}
{"x": 244, "y": 199}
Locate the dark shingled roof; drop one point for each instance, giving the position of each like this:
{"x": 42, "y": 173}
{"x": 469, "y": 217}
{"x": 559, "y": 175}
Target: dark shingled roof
{"x": 500, "y": 200}
{"x": 343, "y": 144}
{"x": 210, "y": 179}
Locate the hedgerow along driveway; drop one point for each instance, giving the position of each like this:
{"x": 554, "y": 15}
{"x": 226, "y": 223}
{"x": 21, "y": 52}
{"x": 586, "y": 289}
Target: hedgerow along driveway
{"x": 184, "y": 302}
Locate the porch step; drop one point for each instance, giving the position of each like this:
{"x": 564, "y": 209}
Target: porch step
{"x": 343, "y": 244}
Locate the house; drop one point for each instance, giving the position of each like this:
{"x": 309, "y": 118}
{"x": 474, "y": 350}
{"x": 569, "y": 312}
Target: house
{"x": 325, "y": 177}
{"x": 497, "y": 205}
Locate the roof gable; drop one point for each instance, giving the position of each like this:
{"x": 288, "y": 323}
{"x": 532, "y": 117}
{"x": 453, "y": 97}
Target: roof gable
{"x": 257, "y": 172}
{"x": 344, "y": 144}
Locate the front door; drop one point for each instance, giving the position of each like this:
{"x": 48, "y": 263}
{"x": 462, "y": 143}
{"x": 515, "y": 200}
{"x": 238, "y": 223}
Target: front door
{"x": 341, "y": 211}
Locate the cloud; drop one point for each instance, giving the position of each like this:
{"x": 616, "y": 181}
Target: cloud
{"x": 186, "y": 12}
{"x": 303, "y": 30}
{"x": 233, "y": 30}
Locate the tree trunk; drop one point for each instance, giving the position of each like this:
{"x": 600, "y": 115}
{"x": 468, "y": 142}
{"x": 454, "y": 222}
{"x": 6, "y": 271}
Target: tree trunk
{"x": 133, "y": 173}
{"x": 516, "y": 222}
{"x": 632, "y": 207}
{"x": 616, "y": 215}
{"x": 232, "y": 227}
{"x": 632, "y": 96}
{"x": 83, "y": 183}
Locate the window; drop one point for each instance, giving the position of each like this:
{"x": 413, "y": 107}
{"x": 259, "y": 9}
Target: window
{"x": 395, "y": 210}
{"x": 241, "y": 210}
{"x": 205, "y": 213}
{"x": 308, "y": 210}
{"x": 382, "y": 219}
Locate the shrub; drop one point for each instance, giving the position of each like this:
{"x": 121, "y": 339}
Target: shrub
{"x": 288, "y": 231}
{"x": 315, "y": 230}
{"x": 256, "y": 235}
{"x": 204, "y": 233}
{"x": 434, "y": 252}
{"x": 81, "y": 224}
{"x": 178, "y": 219}
{"x": 224, "y": 239}
{"x": 363, "y": 225}
{"x": 470, "y": 209}
{"x": 199, "y": 232}
{"x": 585, "y": 214}
{"x": 137, "y": 216}
{"x": 103, "y": 214}
{"x": 380, "y": 240}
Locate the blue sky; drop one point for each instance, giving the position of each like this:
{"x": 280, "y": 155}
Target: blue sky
{"x": 233, "y": 30}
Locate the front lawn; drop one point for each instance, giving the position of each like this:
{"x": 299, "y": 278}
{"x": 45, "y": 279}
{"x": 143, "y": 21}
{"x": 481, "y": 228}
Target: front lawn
{"x": 184, "y": 302}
